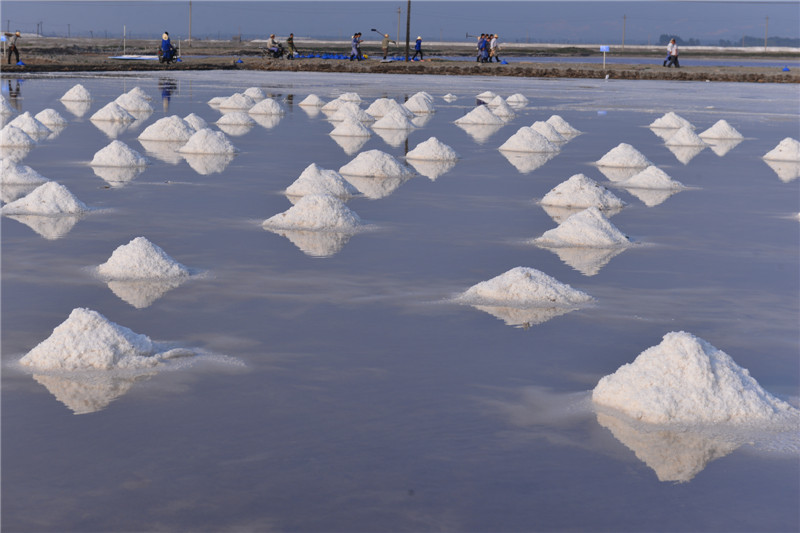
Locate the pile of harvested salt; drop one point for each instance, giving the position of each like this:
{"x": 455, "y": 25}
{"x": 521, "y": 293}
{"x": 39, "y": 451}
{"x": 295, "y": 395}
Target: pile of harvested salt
{"x": 449, "y": 97}
{"x": 419, "y": 104}
{"x": 12, "y": 173}
{"x": 236, "y": 118}
{"x": 721, "y": 130}
{"x": 172, "y": 128}
{"x": 480, "y": 115}
{"x": 112, "y": 112}
{"x": 432, "y": 150}
{"x": 685, "y": 136}
{"x": 318, "y": 212}
{"x": 486, "y": 96}
{"x": 562, "y": 126}
{"x": 27, "y": 123}
{"x": 586, "y": 228}
{"x": 217, "y": 100}
{"x": 49, "y": 199}
{"x": 517, "y": 100}
{"x": 349, "y": 97}
{"x": 316, "y": 180}
{"x": 5, "y": 108}
{"x": 686, "y": 380}
{"x": 138, "y": 92}
{"x": 51, "y": 118}
{"x": 625, "y": 156}
{"x": 255, "y": 93}
{"x": 207, "y": 141}
{"x": 374, "y": 163}
{"x": 133, "y": 103}
{"x": 333, "y": 105}
{"x": 118, "y": 154}
{"x": 350, "y": 127}
{"x": 237, "y": 101}
{"x": 13, "y": 136}
{"x": 140, "y": 259}
{"x": 523, "y": 286}
{"x": 527, "y": 139}
{"x": 77, "y": 93}
{"x": 267, "y": 106}
{"x": 351, "y": 111}
{"x": 548, "y": 131}
{"x": 500, "y": 108}
{"x": 384, "y": 106}
{"x": 393, "y": 121}
{"x": 312, "y": 100}
{"x": 651, "y": 178}
{"x": 580, "y": 191}
{"x": 195, "y": 121}
{"x": 787, "y": 150}
{"x": 671, "y": 121}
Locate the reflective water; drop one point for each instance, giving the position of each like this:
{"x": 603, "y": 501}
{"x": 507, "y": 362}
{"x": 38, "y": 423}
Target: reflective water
{"x": 367, "y": 401}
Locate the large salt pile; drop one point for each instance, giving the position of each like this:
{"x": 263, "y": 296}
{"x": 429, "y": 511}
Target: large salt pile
{"x": 27, "y": 123}
{"x": 235, "y": 118}
{"x": 651, "y": 178}
{"x": 77, "y": 93}
{"x": 351, "y": 111}
{"x": 686, "y": 380}
{"x": 256, "y": 93}
{"x": 500, "y": 108}
{"x": 217, "y": 100}
{"x": 721, "y": 130}
{"x": 333, "y": 105}
{"x": 312, "y": 100}
{"x": 350, "y": 128}
{"x": 374, "y": 163}
{"x": 624, "y": 155}
{"x": 480, "y": 115}
{"x": 207, "y": 141}
{"x": 787, "y": 150}
{"x": 316, "y": 180}
{"x": 140, "y": 259}
{"x": 138, "y": 92}
{"x": 112, "y": 112}
{"x": 419, "y": 104}
{"x": 393, "y": 121}
{"x": 523, "y": 286}
{"x": 586, "y": 228}
{"x": 383, "y": 106}
{"x": 527, "y": 139}
{"x": 562, "y": 126}
{"x": 196, "y": 121}
{"x": 671, "y": 120}
{"x": 237, "y": 101}
{"x": 517, "y": 100}
{"x": 486, "y": 96}
{"x": 432, "y": 150}
{"x": 685, "y": 136}
{"x": 13, "y": 136}
{"x": 118, "y": 154}
{"x": 12, "y": 173}
{"x": 133, "y": 103}
{"x": 580, "y": 191}
{"x": 5, "y": 107}
{"x": 548, "y": 131}
{"x": 267, "y": 106}
{"x": 317, "y": 212}
{"x": 172, "y": 128}
{"x": 51, "y": 118}
{"x": 49, "y": 199}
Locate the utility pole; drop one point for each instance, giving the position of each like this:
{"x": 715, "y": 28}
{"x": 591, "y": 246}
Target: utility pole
{"x": 190, "y": 23}
{"x": 408, "y": 28}
{"x": 399, "y": 12}
{"x": 766, "y": 30}
{"x": 624, "y": 20}
{"x": 68, "y": 31}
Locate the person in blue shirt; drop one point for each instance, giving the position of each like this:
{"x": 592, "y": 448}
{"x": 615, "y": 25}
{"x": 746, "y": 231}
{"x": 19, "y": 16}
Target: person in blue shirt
{"x": 418, "y": 49}
{"x": 167, "y": 50}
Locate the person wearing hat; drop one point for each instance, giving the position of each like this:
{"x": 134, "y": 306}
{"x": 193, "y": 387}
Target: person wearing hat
{"x": 12, "y": 46}
{"x": 385, "y": 44}
{"x": 494, "y": 48}
{"x": 418, "y": 49}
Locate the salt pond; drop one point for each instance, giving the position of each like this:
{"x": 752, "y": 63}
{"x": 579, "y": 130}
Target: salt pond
{"x": 369, "y": 399}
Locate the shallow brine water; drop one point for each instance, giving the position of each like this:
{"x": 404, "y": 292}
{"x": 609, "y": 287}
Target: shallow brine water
{"x": 343, "y": 391}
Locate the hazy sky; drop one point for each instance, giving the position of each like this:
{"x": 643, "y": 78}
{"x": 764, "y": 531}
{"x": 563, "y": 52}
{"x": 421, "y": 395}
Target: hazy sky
{"x": 562, "y": 21}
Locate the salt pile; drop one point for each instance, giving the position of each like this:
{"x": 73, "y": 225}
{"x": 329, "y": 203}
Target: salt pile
{"x": 12, "y": 173}
{"x": 351, "y": 111}
{"x": 207, "y": 141}
{"x": 424, "y": 95}
{"x": 420, "y": 105}
{"x": 580, "y": 191}
{"x": 267, "y": 106}
{"x": 651, "y": 178}
{"x": 312, "y": 100}
{"x": 138, "y": 92}
{"x": 134, "y": 103}
{"x": 562, "y": 126}
{"x": 671, "y": 121}
{"x": 393, "y": 121}
{"x": 30, "y": 125}
{"x": 349, "y": 97}
{"x": 787, "y": 150}
{"x": 172, "y": 128}
{"x": 587, "y": 228}
{"x": 236, "y": 118}
{"x": 686, "y": 380}
{"x": 524, "y": 286}
{"x": 350, "y": 128}
{"x": 49, "y": 199}
{"x": 316, "y": 180}
{"x": 217, "y": 100}
{"x": 548, "y": 131}
{"x": 685, "y": 137}
{"x": 118, "y": 154}
{"x": 237, "y": 101}
{"x": 317, "y": 212}
{"x": 721, "y": 130}
{"x": 112, "y": 112}
{"x": 432, "y": 150}
{"x": 480, "y": 115}
{"x": 13, "y": 136}
{"x": 517, "y": 100}
{"x": 78, "y": 93}
{"x": 528, "y": 140}
{"x": 384, "y": 106}
{"x": 624, "y": 155}
{"x": 255, "y": 93}
{"x": 486, "y": 96}
{"x": 51, "y": 117}
{"x": 140, "y": 259}
{"x": 195, "y": 121}
{"x": 374, "y": 163}
{"x": 500, "y": 108}
{"x": 5, "y": 108}
{"x": 449, "y": 97}
{"x": 332, "y": 106}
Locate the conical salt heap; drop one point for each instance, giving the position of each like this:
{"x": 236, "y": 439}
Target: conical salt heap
{"x": 587, "y": 228}
{"x": 312, "y": 100}
{"x": 685, "y": 137}
{"x": 256, "y": 93}
{"x": 480, "y": 115}
{"x": 317, "y": 212}
{"x": 420, "y": 105}
{"x": 580, "y": 191}
{"x": 27, "y": 123}
{"x": 49, "y": 199}
{"x": 267, "y": 106}
{"x": 393, "y": 121}
{"x": 517, "y": 99}
{"x": 196, "y": 121}
{"x": 721, "y": 130}
{"x": 499, "y": 107}
{"x": 523, "y": 286}
{"x": 374, "y": 163}
{"x": 172, "y": 128}
{"x": 207, "y": 141}
{"x": 383, "y": 106}
{"x": 671, "y": 120}
{"x": 548, "y": 131}
{"x": 118, "y": 154}
{"x": 112, "y": 112}
{"x": 527, "y": 139}
{"x": 51, "y": 117}
{"x": 12, "y": 173}
{"x": 77, "y": 93}
{"x": 133, "y": 103}
{"x": 316, "y": 180}
{"x": 651, "y": 178}
{"x": 237, "y": 101}
{"x": 350, "y": 128}
{"x": 562, "y": 126}
{"x": 432, "y": 150}
{"x": 140, "y": 259}
{"x": 787, "y": 150}
{"x": 624, "y": 156}
{"x": 13, "y": 136}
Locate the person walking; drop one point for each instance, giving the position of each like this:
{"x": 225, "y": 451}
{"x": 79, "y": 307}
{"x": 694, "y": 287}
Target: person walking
{"x": 494, "y": 49}
{"x": 480, "y": 47}
{"x": 12, "y": 46}
{"x": 290, "y": 46}
{"x": 355, "y": 47}
{"x": 418, "y": 49}
{"x": 385, "y": 44}
{"x": 672, "y": 54}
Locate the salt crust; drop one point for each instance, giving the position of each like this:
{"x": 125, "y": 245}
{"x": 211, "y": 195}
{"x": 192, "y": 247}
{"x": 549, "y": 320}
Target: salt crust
{"x": 580, "y": 191}
{"x": 235, "y": 118}
{"x": 12, "y": 173}
{"x": 267, "y": 106}
{"x": 384, "y": 106}
{"x": 112, "y": 112}
{"x": 13, "y": 136}
{"x": 50, "y": 117}
{"x": 195, "y": 121}
{"x": 77, "y": 93}
{"x": 118, "y": 154}
{"x": 49, "y": 199}
{"x": 480, "y": 115}
{"x": 686, "y": 380}
{"x": 524, "y": 286}
{"x": 787, "y": 150}
{"x": 350, "y": 110}
{"x": 140, "y": 259}
{"x": 393, "y": 121}
{"x": 317, "y": 180}
{"x": 721, "y": 130}
{"x": 671, "y": 120}
{"x": 432, "y": 150}
{"x": 237, "y": 101}
{"x": 255, "y": 93}
{"x": 549, "y": 132}
{"x": 207, "y": 141}
{"x": 586, "y": 228}
{"x": 374, "y": 163}
{"x": 27, "y": 123}
{"x": 517, "y": 99}
{"x": 419, "y": 104}
{"x": 172, "y": 128}
{"x": 500, "y": 108}
{"x": 133, "y": 103}
{"x": 685, "y": 136}
{"x": 351, "y": 127}
{"x": 312, "y": 100}
{"x": 527, "y": 139}
{"x": 651, "y": 178}
{"x": 318, "y": 212}
{"x": 562, "y": 126}
{"x": 625, "y": 156}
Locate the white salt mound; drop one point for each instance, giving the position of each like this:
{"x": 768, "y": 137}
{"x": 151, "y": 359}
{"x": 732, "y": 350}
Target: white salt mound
{"x": 350, "y": 128}
{"x": 527, "y": 139}
{"x": 27, "y": 123}
{"x": 449, "y": 97}
{"x": 195, "y": 121}
{"x": 267, "y": 106}
{"x": 112, "y": 112}
{"x": 5, "y": 108}
{"x": 318, "y": 212}
{"x": 351, "y": 111}
{"x": 586, "y": 228}
{"x": 207, "y": 141}
{"x": 237, "y": 101}
{"x": 13, "y": 136}
{"x": 12, "y": 173}
{"x": 524, "y": 286}
{"x": 140, "y": 259}
{"x": 517, "y": 99}
{"x": 377, "y": 164}
{"x": 624, "y": 155}
{"x": 118, "y": 154}
{"x": 500, "y": 108}
{"x": 486, "y": 96}
{"x": 562, "y": 126}
{"x": 312, "y": 100}
{"x": 50, "y": 199}
{"x": 671, "y": 121}
{"x": 172, "y": 128}
{"x": 255, "y": 93}
{"x": 685, "y": 137}
{"x": 350, "y": 97}
{"x": 432, "y": 150}
{"x": 217, "y": 100}
{"x": 236, "y": 118}
{"x": 87, "y": 340}
{"x": 686, "y": 380}
{"x": 721, "y": 130}
{"x": 138, "y": 92}
{"x": 383, "y": 106}
{"x": 333, "y": 105}
{"x": 50, "y": 117}
{"x": 78, "y": 93}
{"x": 651, "y": 178}
{"x": 132, "y": 102}
{"x": 317, "y": 180}
{"x": 580, "y": 191}
{"x": 480, "y": 115}
{"x": 548, "y": 131}
{"x": 787, "y": 150}
{"x": 424, "y": 95}
{"x": 420, "y": 105}
{"x": 393, "y": 121}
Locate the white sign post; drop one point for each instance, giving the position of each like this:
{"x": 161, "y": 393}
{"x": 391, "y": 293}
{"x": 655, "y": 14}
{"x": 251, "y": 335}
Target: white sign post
{"x": 604, "y": 49}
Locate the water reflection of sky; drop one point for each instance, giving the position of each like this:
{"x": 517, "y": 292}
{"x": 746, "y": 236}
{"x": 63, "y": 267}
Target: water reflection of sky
{"x": 369, "y": 401}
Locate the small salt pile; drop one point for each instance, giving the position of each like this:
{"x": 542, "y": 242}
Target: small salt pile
{"x": 528, "y": 140}
{"x": 118, "y": 154}
{"x": 13, "y": 136}
{"x": 133, "y": 103}
{"x": 49, "y": 199}
{"x": 255, "y": 93}
{"x": 237, "y": 101}
{"x": 112, "y": 112}
{"x": 787, "y": 150}
{"x": 625, "y": 156}
{"x": 78, "y": 93}
{"x": 374, "y": 163}
{"x": 651, "y": 178}
{"x": 267, "y": 106}
{"x": 138, "y": 92}
{"x": 172, "y": 128}
{"x": 195, "y": 121}
{"x": 524, "y": 286}
{"x": 499, "y": 107}
{"x": 140, "y": 259}
{"x": 350, "y": 127}
{"x": 424, "y": 95}
{"x": 5, "y": 108}
{"x": 89, "y": 341}
{"x": 312, "y": 100}
{"x": 332, "y": 106}
{"x": 580, "y": 191}
{"x": 349, "y": 97}
{"x": 586, "y": 228}
{"x": 12, "y": 173}
{"x": 671, "y": 121}
{"x": 449, "y": 97}
{"x": 721, "y": 130}
{"x": 517, "y": 100}
{"x": 548, "y": 131}
{"x": 486, "y": 96}
{"x": 562, "y": 126}
{"x": 217, "y": 100}
{"x": 235, "y": 118}
{"x": 383, "y": 106}
{"x": 27, "y": 123}
{"x": 685, "y": 137}
{"x": 480, "y": 115}
{"x": 318, "y": 212}
{"x": 51, "y": 118}
{"x": 432, "y": 150}
{"x": 351, "y": 111}
{"x": 316, "y": 180}
{"x": 420, "y": 105}
{"x": 686, "y": 380}
{"x": 207, "y": 141}
{"x": 393, "y": 121}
